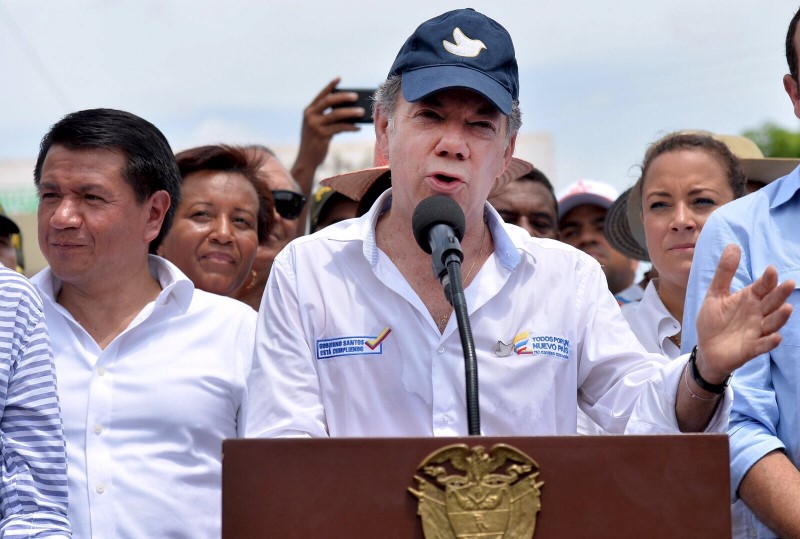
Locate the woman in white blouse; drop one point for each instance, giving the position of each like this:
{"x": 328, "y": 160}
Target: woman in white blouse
{"x": 685, "y": 176}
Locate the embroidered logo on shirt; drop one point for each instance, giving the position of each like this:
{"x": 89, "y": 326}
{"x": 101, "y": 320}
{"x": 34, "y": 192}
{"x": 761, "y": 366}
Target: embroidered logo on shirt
{"x": 525, "y": 344}
{"x": 373, "y": 343}
{"x": 352, "y": 346}
{"x": 463, "y": 46}
{"x": 519, "y": 345}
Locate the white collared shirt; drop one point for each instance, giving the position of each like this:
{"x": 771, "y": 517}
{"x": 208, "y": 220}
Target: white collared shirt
{"x": 145, "y": 418}
{"x": 345, "y": 347}
{"x": 652, "y": 323}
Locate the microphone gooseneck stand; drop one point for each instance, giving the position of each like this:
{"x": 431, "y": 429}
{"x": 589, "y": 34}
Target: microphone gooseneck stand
{"x": 454, "y": 291}
{"x": 439, "y": 225}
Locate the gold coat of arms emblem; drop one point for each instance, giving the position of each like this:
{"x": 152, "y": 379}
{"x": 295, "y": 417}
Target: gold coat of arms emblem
{"x": 468, "y": 493}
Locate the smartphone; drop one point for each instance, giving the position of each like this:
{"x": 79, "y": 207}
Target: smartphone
{"x": 364, "y": 100}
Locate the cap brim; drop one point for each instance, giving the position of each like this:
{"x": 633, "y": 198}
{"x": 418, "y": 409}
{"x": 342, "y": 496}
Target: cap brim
{"x": 618, "y": 229}
{"x": 422, "y": 82}
{"x": 7, "y": 226}
{"x": 571, "y": 202}
{"x": 355, "y": 184}
{"x": 768, "y": 169}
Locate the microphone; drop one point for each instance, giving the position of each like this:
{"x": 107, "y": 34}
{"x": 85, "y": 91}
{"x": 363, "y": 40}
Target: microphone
{"x": 439, "y": 224}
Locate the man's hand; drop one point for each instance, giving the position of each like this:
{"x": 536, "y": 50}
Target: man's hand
{"x": 734, "y": 328}
{"x": 320, "y": 124}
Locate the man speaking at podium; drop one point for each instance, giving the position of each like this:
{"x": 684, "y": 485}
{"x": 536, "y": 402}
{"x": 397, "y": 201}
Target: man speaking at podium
{"x": 355, "y": 335}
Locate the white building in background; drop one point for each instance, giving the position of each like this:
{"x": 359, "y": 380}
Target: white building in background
{"x": 18, "y": 195}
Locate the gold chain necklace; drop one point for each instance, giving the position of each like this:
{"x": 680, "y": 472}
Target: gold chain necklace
{"x": 444, "y": 319}
{"x": 442, "y": 323}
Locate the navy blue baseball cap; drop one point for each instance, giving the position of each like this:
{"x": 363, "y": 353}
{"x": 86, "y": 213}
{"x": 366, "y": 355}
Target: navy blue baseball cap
{"x": 459, "y": 49}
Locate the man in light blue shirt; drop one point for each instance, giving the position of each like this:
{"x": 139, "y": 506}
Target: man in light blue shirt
{"x": 765, "y": 418}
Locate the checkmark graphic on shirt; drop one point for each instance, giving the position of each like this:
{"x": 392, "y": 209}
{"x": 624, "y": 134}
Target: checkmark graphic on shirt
{"x": 374, "y": 343}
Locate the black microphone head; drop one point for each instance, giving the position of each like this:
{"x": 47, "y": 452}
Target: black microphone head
{"x": 437, "y": 210}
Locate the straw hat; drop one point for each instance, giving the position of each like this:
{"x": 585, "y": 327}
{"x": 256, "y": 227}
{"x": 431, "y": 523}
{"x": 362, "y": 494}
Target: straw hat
{"x": 754, "y": 164}
{"x": 628, "y": 240}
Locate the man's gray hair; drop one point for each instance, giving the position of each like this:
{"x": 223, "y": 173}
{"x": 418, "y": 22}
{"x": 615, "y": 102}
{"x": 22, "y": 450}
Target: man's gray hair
{"x": 388, "y": 92}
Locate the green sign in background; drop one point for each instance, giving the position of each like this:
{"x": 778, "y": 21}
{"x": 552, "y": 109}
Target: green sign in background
{"x": 19, "y": 201}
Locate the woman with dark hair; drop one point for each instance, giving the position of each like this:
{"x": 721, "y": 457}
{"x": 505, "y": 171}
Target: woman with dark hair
{"x": 685, "y": 176}
{"x": 225, "y": 211}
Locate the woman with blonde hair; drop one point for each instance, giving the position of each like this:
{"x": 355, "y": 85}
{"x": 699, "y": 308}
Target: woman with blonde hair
{"x": 685, "y": 177}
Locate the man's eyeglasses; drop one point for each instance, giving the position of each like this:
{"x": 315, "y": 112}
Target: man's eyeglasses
{"x": 288, "y": 204}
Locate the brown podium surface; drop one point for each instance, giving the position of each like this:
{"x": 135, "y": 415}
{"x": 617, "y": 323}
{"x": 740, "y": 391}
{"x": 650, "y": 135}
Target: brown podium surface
{"x": 594, "y": 486}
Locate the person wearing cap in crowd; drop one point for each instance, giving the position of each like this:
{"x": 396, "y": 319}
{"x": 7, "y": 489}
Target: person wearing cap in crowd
{"x": 529, "y": 202}
{"x": 151, "y": 371}
{"x": 9, "y": 242}
{"x": 329, "y": 207}
{"x": 582, "y": 209}
{"x": 764, "y": 426}
{"x": 355, "y": 336}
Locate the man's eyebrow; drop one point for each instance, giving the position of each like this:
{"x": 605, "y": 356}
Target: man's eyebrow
{"x": 431, "y": 101}
{"x": 83, "y": 188}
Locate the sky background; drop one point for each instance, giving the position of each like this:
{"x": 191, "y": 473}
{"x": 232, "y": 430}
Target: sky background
{"x": 603, "y": 79}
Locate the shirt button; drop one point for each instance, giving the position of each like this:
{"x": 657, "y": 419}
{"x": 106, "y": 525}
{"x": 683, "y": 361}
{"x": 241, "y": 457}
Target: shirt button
{"x": 101, "y": 371}
{"x": 98, "y": 428}
{"x": 446, "y": 418}
{"x": 100, "y": 489}
{"x": 440, "y": 349}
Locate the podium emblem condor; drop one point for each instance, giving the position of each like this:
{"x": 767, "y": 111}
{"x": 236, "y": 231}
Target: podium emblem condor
{"x": 468, "y": 493}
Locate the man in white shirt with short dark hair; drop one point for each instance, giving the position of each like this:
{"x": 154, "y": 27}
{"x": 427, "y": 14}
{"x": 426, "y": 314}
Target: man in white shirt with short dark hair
{"x": 151, "y": 371}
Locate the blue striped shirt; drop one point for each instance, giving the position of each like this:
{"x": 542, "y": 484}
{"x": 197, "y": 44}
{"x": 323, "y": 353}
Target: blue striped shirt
{"x": 33, "y": 468}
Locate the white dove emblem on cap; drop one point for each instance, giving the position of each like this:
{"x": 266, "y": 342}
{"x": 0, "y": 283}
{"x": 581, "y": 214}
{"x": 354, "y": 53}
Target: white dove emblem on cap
{"x": 464, "y": 46}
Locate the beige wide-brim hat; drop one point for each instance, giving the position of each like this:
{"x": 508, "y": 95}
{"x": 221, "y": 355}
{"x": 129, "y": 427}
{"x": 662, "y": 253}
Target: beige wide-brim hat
{"x": 754, "y": 164}
{"x": 624, "y": 228}
{"x": 357, "y": 184}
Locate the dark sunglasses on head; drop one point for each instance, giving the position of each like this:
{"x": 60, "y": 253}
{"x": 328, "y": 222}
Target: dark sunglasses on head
{"x": 288, "y": 204}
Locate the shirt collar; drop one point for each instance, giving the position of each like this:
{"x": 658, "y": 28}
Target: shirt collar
{"x": 505, "y": 250}
{"x": 174, "y": 284}
{"x": 651, "y": 308}
{"x": 784, "y": 189}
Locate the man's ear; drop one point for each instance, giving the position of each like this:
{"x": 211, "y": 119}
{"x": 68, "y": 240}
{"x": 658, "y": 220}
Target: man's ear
{"x": 791, "y": 87}
{"x": 381, "y": 136}
{"x": 157, "y": 206}
{"x": 509, "y": 152}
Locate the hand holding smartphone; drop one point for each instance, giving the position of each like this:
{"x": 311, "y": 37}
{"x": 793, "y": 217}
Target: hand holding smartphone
{"x": 364, "y": 101}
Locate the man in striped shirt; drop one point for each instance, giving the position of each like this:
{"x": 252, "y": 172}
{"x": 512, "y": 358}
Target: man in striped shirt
{"x": 33, "y": 478}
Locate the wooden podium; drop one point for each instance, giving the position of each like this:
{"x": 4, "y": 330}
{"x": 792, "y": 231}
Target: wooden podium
{"x": 594, "y": 486}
